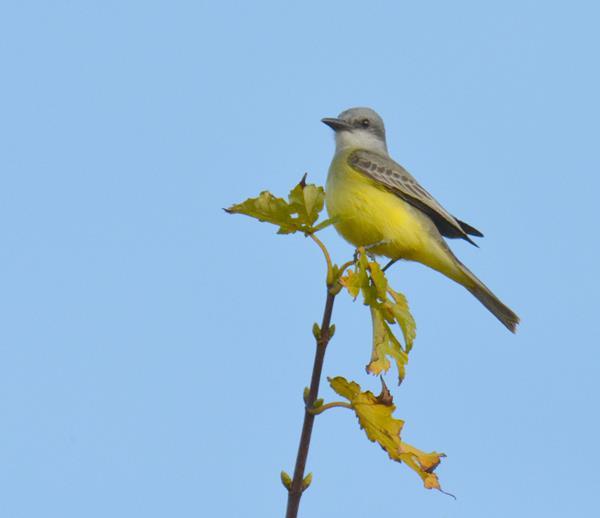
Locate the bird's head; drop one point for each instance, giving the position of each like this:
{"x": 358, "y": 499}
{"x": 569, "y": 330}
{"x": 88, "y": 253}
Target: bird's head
{"x": 360, "y": 128}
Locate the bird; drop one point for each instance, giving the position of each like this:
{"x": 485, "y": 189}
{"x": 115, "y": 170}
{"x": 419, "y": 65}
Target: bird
{"x": 377, "y": 204}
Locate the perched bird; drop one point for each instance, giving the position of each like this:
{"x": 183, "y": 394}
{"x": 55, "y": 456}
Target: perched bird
{"x": 378, "y": 205}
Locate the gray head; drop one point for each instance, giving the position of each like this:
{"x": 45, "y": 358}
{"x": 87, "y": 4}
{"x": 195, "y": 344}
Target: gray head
{"x": 358, "y": 128}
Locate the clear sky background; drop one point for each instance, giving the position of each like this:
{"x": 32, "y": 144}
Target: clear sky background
{"x": 153, "y": 350}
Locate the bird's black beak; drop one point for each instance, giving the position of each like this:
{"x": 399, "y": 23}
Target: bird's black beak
{"x": 336, "y": 124}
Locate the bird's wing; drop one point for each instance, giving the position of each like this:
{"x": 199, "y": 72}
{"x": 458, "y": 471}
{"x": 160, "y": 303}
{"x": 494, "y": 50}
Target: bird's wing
{"x": 399, "y": 181}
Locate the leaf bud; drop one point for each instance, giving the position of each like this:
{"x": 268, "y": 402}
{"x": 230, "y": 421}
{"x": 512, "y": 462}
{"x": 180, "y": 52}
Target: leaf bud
{"x": 286, "y": 480}
{"x": 331, "y": 330}
{"x": 316, "y": 330}
{"x": 306, "y": 482}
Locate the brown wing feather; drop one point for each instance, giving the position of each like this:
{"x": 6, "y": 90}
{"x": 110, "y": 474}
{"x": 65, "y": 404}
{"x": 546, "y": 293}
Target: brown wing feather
{"x": 398, "y": 180}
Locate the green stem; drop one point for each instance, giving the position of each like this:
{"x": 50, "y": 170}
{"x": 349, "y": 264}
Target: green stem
{"x": 345, "y": 266}
{"x": 322, "y": 408}
{"x": 327, "y": 259}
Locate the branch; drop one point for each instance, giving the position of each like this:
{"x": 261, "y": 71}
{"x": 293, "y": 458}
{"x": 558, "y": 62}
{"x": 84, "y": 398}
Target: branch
{"x": 297, "y": 487}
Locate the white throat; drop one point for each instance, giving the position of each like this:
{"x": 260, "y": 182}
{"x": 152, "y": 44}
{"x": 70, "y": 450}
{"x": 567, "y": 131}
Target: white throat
{"x": 359, "y": 140}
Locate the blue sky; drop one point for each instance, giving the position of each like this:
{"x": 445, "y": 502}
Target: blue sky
{"x": 153, "y": 350}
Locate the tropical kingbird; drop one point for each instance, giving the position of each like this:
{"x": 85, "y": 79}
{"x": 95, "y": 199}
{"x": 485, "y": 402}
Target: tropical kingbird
{"x": 378, "y": 205}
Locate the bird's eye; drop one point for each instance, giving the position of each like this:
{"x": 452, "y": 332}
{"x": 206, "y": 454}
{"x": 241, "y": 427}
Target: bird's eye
{"x": 365, "y": 123}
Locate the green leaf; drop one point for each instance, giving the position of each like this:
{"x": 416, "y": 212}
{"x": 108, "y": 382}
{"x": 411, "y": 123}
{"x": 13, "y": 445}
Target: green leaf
{"x": 353, "y": 282}
{"x": 298, "y": 214}
{"x": 368, "y": 278}
{"x": 374, "y": 415}
{"x": 267, "y": 207}
{"x": 357, "y": 280}
{"x": 363, "y": 273}
{"x": 348, "y": 389}
{"x": 379, "y": 280}
{"x": 307, "y": 202}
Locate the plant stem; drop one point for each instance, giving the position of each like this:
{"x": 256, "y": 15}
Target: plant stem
{"x": 327, "y": 406}
{"x": 327, "y": 257}
{"x": 296, "y": 489}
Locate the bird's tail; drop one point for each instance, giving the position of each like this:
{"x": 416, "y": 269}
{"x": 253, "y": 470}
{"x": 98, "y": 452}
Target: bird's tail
{"x": 502, "y": 312}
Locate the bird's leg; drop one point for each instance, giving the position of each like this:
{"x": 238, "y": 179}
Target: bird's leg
{"x": 370, "y": 247}
{"x": 375, "y": 245}
{"x": 389, "y": 264}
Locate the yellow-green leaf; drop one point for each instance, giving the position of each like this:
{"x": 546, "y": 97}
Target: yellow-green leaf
{"x": 385, "y": 344}
{"x": 362, "y": 271}
{"x": 374, "y": 415}
{"x": 404, "y": 318}
{"x": 368, "y": 278}
{"x": 269, "y": 208}
{"x": 298, "y": 214}
{"x": 423, "y": 463}
{"x": 379, "y": 280}
{"x": 353, "y": 282}
{"x": 307, "y": 202}
{"x": 347, "y": 389}
{"x": 357, "y": 280}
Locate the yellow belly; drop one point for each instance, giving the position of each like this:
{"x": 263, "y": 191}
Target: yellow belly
{"x": 368, "y": 214}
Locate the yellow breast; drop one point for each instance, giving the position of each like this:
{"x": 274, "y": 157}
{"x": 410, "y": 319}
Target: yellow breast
{"x": 367, "y": 213}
